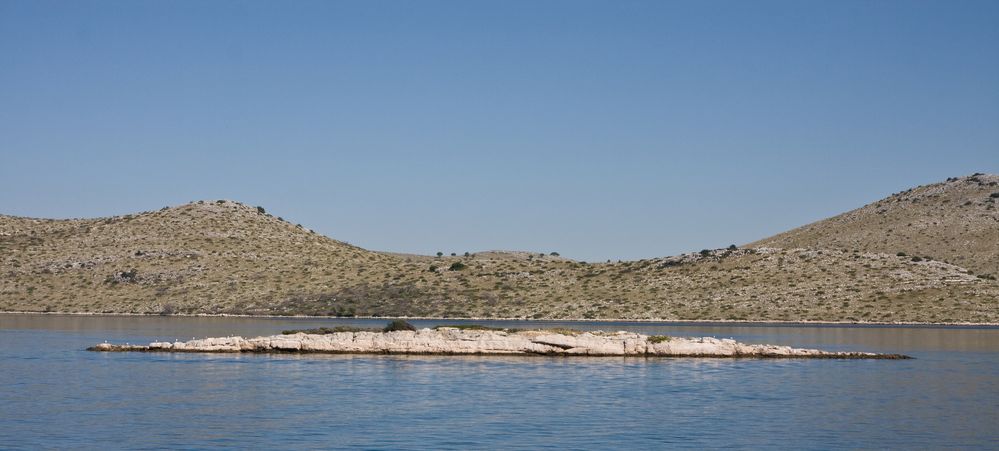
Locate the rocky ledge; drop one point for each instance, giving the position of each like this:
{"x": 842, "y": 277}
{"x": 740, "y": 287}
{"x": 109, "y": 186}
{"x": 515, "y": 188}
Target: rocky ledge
{"x": 447, "y": 341}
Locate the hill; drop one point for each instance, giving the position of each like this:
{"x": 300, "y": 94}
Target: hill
{"x": 955, "y": 221}
{"x": 224, "y": 257}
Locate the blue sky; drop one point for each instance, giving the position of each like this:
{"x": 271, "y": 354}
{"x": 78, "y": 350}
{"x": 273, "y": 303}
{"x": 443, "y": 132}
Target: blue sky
{"x": 601, "y": 130}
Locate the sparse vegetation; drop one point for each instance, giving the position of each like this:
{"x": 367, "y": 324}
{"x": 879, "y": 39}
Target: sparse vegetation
{"x": 330, "y": 330}
{"x": 473, "y": 327}
{"x": 398, "y": 324}
{"x": 228, "y": 258}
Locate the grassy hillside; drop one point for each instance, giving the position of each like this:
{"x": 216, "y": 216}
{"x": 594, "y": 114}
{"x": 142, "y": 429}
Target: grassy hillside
{"x": 955, "y": 221}
{"x": 226, "y": 257}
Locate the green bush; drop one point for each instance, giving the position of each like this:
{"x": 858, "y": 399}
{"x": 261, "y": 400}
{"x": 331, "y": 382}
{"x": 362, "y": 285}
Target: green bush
{"x": 329, "y": 330}
{"x": 659, "y": 338}
{"x": 457, "y": 266}
{"x": 398, "y": 324}
{"x": 471, "y": 327}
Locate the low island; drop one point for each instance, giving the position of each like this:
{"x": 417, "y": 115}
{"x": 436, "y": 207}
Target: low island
{"x": 400, "y": 338}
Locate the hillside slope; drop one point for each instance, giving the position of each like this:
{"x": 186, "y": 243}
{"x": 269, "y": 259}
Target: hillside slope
{"x": 954, "y": 221}
{"x": 226, "y": 257}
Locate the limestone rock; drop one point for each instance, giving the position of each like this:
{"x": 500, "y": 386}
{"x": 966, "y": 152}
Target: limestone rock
{"x": 489, "y": 342}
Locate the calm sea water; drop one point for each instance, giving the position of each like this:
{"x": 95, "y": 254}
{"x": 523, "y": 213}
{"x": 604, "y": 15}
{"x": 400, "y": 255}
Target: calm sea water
{"x": 55, "y": 395}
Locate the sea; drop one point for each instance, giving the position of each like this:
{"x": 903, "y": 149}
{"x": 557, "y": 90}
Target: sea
{"x": 56, "y": 395}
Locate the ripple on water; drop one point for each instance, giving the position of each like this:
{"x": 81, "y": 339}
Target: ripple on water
{"x": 57, "y": 396}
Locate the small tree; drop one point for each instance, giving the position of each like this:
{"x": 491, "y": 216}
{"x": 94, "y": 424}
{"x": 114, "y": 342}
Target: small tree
{"x": 440, "y": 254}
{"x": 261, "y": 210}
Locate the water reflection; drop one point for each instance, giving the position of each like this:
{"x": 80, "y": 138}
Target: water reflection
{"x": 57, "y": 396}
{"x": 892, "y": 339}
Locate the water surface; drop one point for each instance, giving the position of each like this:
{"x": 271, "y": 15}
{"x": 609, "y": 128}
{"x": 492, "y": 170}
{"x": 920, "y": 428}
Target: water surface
{"x": 56, "y": 395}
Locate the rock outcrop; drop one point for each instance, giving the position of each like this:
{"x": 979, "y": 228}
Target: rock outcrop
{"x": 449, "y": 341}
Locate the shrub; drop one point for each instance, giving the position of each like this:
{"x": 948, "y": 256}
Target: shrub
{"x": 433, "y": 268}
{"x": 705, "y": 252}
{"x": 329, "y": 330}
{"x": 261, "y": 210}
{"x": 398, "y": 324}
{"x": 457, "y": 266}
{"x": 659, "y": 338}
{"x": 554, "y": 254}
{"x": 994, "y": 195}
{"x": 901, "y": 254}
{"x": 467, "y": 254}
{"x": 473, "y": 327}
{"x": 917, "y": 259}
{"x": 440, "y": 254}
{"x": 732, "y": 247}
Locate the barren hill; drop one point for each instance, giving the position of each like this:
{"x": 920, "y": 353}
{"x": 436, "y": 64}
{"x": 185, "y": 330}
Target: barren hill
{"x": 226, "y": 257}
{"x": 954, "y": 221}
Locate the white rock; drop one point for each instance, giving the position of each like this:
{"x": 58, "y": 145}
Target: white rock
{"x": 457, "y": 341}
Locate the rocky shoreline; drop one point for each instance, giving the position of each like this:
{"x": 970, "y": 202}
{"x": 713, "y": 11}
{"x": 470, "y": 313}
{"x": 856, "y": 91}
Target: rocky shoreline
{"x": 454, "y": 341}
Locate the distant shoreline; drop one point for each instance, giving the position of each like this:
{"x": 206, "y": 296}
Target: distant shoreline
{"x": 575, "y": 320}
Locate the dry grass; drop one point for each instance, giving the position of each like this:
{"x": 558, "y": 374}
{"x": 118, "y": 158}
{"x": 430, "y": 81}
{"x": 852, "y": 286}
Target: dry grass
{"x": 226, "y": 257}
{"x": 955, "y": 221}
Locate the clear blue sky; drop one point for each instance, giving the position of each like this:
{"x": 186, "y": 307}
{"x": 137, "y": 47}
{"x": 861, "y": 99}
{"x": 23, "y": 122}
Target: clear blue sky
{"x": 602, "y": 130}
